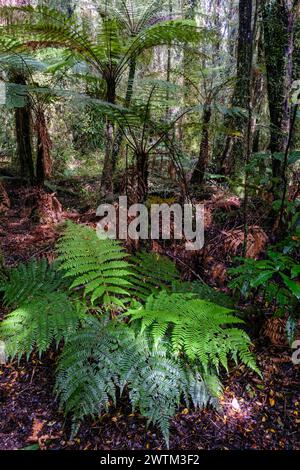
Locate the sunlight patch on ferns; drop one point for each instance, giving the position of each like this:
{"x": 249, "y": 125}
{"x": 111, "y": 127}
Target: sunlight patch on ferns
{"x": 197, "y": 328}
{"x": 38, "y": 323}
{"x": 97, "y": 265}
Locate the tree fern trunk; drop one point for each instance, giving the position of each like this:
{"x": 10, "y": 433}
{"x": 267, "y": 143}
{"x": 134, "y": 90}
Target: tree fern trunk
{"x": 201, "y": 167}
{"x": 142, "y": 171}
{"x": 23, "y": 128}
{"x": 44, "y": 144}
{"x": 119, "y": 134}
{"x": 23, "y": 123}
{"x": 107, "y": 173}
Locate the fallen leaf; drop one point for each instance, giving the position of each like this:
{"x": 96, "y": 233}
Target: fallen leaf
{"x": 37, "y": 426}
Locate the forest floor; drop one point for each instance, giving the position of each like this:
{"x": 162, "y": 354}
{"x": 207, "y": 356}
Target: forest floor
{"x": 254, "y": 413}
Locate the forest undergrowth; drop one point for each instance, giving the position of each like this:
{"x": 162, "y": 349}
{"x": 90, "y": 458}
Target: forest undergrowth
{"x": 253, "y": 412}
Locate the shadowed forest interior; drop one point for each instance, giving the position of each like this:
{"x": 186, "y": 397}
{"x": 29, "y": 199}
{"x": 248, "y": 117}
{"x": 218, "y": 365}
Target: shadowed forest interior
{"x": 128, "y": 343}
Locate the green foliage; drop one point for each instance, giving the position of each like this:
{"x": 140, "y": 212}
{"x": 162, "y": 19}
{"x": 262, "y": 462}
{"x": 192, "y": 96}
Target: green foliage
{"x": 203, "y": 291}
{"x": 38, "y": 322}
{"x": 275, "y": 281}
{"x": 171, "y": 349}
{"x": 105, "y": 357}
{"x": 27, "y": 280}
{"x": 291, "y": 217}
{"x": 98, "y": 266}
{"x": 197, "y": 328}
{"x": 110, "y": 53}
{"x": 152, "y": 271}
{"x": 275, "y": 274}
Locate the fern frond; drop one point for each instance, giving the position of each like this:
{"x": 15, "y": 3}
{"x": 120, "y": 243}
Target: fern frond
{"x": 197, "y": 328}
{"x": 203, "y": 292}
{"x": 104, "y": 357}
{"x": 152, "y": 271}
{"x": 97, "y": 265}
{"x": 39, "y": 322}
{"x": 25, "y": 281}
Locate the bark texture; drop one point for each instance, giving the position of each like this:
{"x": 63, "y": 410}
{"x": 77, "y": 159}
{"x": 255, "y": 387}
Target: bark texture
{"x": 201, "y": 167}
{"x": 278, "y": 21}
{"x": 23, "y": 126}
{"x": 233, "y": 152}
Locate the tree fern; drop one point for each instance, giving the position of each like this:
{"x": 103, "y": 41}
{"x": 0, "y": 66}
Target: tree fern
{"x": 25, "y": 281}
{"x": 197, "y": 328}
{"x": 39, "y": 322}
{"x": 99, "y": 266}
{"x": 104, "y": 357}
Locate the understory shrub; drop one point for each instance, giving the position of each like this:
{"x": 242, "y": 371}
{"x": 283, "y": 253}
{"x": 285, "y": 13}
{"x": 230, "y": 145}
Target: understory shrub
{"x": 275, "y": 281}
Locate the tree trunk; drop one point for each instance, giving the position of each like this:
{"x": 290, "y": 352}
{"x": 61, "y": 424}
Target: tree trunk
{"x": 107, "y": 173}
{"x": 119, "y": 135}
{"x": 24, "y": 143}
{"x": 44, "y": 145}
{"x": 258, "y": 85}
{"x": 232, "y": 155}
{"x": 23, "y": 125}
{"x": 278, "y": 21}
{"x": 142, "y": 171}
{"x": 201, "y": 167}
{"x": 189, "y": 13}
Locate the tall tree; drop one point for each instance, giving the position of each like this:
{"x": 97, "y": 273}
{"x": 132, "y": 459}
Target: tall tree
{"x": 23, "y": 112}
{"x": 233, "y": 151}
{"x": 279, "y": 20}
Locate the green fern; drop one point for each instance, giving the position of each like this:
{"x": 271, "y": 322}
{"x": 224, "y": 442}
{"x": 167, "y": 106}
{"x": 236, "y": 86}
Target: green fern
{"x": 181, "y": 344}
{"x": 152, "y": 272}
{"x": 105, "y": 357}
{"x": 25, "y": 281}
{"x": 204, "y": 292}
{"x": 39, "y": 322}
{"x": 98, "y": 265}
{"x": 197, "y": 328}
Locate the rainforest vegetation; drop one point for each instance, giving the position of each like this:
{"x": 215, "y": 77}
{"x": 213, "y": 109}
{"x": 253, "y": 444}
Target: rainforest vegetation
{"x": 133, "y": 342}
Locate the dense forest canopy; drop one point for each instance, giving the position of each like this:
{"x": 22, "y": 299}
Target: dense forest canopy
{"x": 186, "y": 108}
